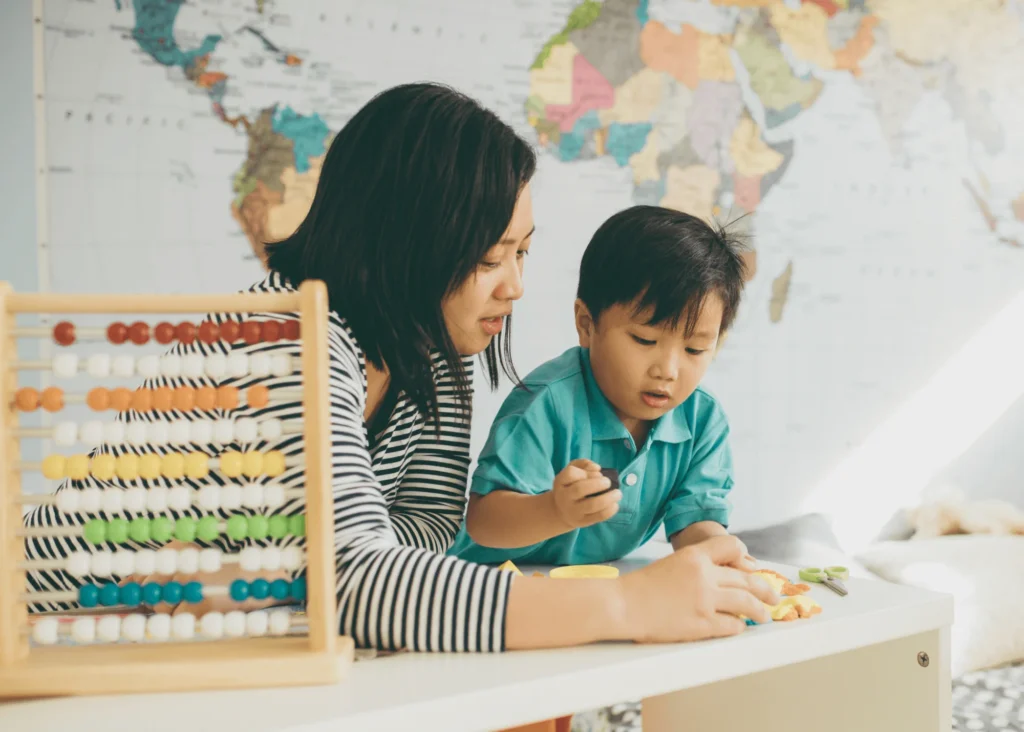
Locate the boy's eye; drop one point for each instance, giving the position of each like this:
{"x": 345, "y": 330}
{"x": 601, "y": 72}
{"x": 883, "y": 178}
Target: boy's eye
{"x": 522, "y": 253}
{"x": 643, "y": 341}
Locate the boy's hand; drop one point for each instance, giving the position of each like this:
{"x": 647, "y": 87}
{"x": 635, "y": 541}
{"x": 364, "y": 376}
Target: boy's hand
{"x": 573, "y": 495}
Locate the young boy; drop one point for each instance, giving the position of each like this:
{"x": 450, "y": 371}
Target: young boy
{"x": 657, "y": 289}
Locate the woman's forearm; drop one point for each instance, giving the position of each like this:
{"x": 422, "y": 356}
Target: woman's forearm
{"x": 546, "y": 613}
{"x": 510, "y": 520}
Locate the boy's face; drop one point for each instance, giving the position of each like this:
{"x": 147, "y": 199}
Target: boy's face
{"x": 644, "y": 370}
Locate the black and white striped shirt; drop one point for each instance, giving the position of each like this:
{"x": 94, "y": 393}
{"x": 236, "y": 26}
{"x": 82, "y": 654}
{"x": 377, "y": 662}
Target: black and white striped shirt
{"x": 397, "y": 505}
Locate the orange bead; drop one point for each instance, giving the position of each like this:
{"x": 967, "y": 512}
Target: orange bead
{"x": 184, "y": 398}
{"x": 257, "y": 397}
{"x": 98, "y": 399}
{"x": 227, "y": 397}
{"x": 27, "y": 399}
{"x": 230, "y": 330}
{"x": 64, "y": 333}
{"x": 142, "y": 400}
{"x": 206, "y": 398}
{"x": 163, "y": 398}
{"x": 121, "y": 399}
{"x": 53, "y": 399}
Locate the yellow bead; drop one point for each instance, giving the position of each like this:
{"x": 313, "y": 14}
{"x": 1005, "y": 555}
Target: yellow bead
{"x": 78, "y": 467}
{"x": 53, "y": 467}
{"x": 231, "y": 463}
{"x": 103, "y": 466}
{"x": 197, "y": 465}
{"x": 252, "y": 463}
{"x": 173, "y": 465}
{"x": 127, "y": 466}
{"x": 149, "y": 466}
{"x": 273, "y": 463}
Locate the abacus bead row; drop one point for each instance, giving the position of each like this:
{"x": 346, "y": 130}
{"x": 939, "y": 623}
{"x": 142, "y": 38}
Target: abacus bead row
{"x": 189, "y": 560}
{"x": 160, "y": 399}
{"x": 132, "y": 594}
{"x": 175, "y": 432}
{"x": 157, "y": 499}
{"x": 188, "y": 529}
{"x": 172, "y": 465}
{"x": 172, "y": 365}
{"x": 161, "y": 626}
{"x": 139, "y": 332}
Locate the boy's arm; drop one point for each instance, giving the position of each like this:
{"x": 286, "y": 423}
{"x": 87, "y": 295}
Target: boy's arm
{"x": 696, "y": 533}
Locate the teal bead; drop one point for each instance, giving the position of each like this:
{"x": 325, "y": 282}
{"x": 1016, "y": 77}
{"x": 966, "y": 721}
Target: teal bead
{"x": 259, "y": 589}
{"x": 239, "y": 590}
{"x": 117, "y": 530}
{"x": 278, "y": 526}
{"x": 297, "y": 525}
{"x": 237, "y": 526}
{"x": 139, "y": 530}
{"x": 209, "y": 528}
{"x": 279, "y": 589}
{"x": 131, "y": 594}
{"x": 162, "y": 529}
{"x": 151, "y": 593}
{"x": 108, "y": 595}
{"x": 259, "y": 525}
{"x": 185, "y": 529}
{"x": 95, "y": 531}
{"x": 88, "y": 595}
{"x": 172, "y": 593}
{"x": 299, "y": 588}
{"x": 193, "y": 593}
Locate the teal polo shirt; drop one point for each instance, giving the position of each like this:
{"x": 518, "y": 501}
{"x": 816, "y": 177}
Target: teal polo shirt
{"x": 680, "y": 475}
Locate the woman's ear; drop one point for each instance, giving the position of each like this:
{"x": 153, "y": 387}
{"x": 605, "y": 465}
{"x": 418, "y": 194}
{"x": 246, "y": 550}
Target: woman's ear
{"x": 584, "y": 323}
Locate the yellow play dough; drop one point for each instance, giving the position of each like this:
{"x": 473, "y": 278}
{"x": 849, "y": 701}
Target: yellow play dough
{"x": 508, "y": 566}
{"x": 581, "y": 571}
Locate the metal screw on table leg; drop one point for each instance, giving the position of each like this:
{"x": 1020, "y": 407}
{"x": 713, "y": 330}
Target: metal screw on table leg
{"x": 922, "y": 659}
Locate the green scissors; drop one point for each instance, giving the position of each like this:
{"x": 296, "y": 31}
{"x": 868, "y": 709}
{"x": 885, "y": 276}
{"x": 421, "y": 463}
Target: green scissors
{"x": 831, "y": 577}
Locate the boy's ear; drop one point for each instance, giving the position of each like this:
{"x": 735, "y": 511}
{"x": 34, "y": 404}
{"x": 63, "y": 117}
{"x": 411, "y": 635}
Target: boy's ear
{"x": 584, "y": 323}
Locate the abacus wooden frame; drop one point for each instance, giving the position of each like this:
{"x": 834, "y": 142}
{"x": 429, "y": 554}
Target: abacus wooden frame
{"x": 321, "y": 657}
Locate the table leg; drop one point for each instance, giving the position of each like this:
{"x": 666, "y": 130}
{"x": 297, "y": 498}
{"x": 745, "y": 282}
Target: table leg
{"x": 889, "y": 687}
{"x": 561, "y": 724}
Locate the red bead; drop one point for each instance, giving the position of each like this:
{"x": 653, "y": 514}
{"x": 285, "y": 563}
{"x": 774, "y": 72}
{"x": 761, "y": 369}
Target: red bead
{"x": 271, "y": 331}
{"x": 230, "y": 330}
{"x": 186, "y": 332}
{"x": 64, "y": 333}
{"x": 291, "y": 330}
{"x": 251, "y": 332}
{"x": 117, "y": 333}
{"x": 139, "y": 333}
{"x": 208, "y": 332}
{"x": 163, "y": 332}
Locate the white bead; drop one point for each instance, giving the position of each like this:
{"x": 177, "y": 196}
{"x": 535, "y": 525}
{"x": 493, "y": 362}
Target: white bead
{"x": 192, "y": 365}
{"x": 249, "y": 559}
{"x": 113, "y": 433}
{"x": 281, "y": 364}
{"x": 135, "y": 499}
{"x": 67, "y": 500}
{"x": 101, "y": 564}
{"x": 123, "y": 366}
{"x": 145, "y": 562}
{"x": 231, "y": 497}
{"x": 170, "y": 365}
{"x": 234, "y": 624}
{"x": 211, "y": 625}
{"x": 108, "y": 629}
{"x": 65, "y": 365}
{"x": 158, "y": 433}
{"x": 149, "y": 366}
{"x": 113, "y": 500}
{"x": 91, "y": 500}
{"x": 65, "y": 434}
{"x": 98, "y": 366}
{"x": 178, "y": 433}
{"x": 209, "y": 497}
{"x": 291, "y": 557}
{"x": 238, "y": 365}
{"x": 44, "y": 631}
{"x": 135, "y": 433}
{"x": 79, "y": 563}
{"x": 210, "y": 560}
{"x": 91, "y": 433}
{"x": 166, "y": 561}
{"x": 259, "y": 365}
{"x": 133, "y": 627}
{"x": 156, "y": 499}
{"x": 271, "y": 559}
{"x": 271, "y": 429}
{"x": 252, "y": 495}
{"x": 223, "y": 432}
{"x": 273, "y": 495}
{"x": 201, "y": 432}
{"x": 83, "y": 630}
{"x": 188, "y": 560}
{"x": 216, "y": 366}
{"x": 256, "y": 623}
{"x": 246, "y": 430}
{"x": 179, "y": 498}
{"x": 280, "y": 621}
{"x": 183, "y": 626}
{"x": 158, "y": 627}
{"x": 124, "y": 563}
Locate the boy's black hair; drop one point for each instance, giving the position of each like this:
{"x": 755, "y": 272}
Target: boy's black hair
{"x": 662, "y": 259}
{"x": 413, "y": 191}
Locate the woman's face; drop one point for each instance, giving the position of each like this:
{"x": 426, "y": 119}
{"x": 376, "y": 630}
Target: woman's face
{"x": 475, "y": 313}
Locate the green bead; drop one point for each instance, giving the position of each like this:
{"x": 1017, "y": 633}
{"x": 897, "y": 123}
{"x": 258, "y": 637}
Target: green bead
{"x": 117, "y": 530}
{"x": 138, "y": 530}
{"x": 185, "y": 529}
{"x": 278, "y": 526}
{"x": 162, "y": 529}
{"x": 237, "y": 527}
{"x": 95, "y": 531}
{"x": 258, "y": 527}
{"x": 297, "y": 524}
{"x": 209, "y": 528}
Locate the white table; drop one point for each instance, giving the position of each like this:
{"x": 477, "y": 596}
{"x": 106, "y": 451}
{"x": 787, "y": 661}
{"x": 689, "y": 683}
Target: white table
{"x": 854, "y": 667}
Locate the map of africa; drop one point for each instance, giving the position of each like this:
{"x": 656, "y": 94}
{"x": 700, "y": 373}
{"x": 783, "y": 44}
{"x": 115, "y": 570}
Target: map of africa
{"x": 866, "y": 146}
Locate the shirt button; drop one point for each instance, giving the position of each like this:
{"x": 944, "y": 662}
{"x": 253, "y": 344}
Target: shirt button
{"x": 626, "y": 443}
{"x": 631, "y": 479}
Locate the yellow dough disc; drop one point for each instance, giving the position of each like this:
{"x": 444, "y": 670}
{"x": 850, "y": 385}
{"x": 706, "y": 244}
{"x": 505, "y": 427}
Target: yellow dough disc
{"x": 584, "y": 571}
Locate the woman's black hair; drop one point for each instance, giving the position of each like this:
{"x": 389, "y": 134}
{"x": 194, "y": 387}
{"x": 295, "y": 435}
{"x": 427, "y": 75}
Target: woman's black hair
{"x": 413, "y": 192}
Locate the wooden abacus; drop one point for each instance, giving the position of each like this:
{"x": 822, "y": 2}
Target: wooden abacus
{"x": 32, "y": 662}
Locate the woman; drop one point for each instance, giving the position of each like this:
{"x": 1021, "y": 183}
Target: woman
{"x": 419, "y": 227}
